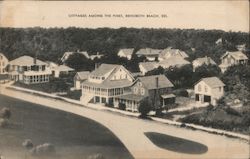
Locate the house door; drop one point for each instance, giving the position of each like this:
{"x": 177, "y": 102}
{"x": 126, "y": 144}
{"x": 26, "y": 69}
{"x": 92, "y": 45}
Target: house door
{"x": 197, "y": 97}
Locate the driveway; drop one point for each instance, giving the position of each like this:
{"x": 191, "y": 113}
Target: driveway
{"x": 131, "y": 132}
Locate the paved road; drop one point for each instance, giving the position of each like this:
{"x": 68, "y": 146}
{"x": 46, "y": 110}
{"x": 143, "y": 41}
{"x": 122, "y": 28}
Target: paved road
{"x": 131, "y": 132}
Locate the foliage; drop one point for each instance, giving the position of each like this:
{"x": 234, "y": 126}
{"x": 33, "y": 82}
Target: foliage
{"x": 145, "y": 107}
{"x": 79, "y": 62}
{"x": 5, "y": 113}
{"x": 28, "y": 144}
{"x": 46, "y": 149}
{"x": 51, "y": 43}
{"x": 96, "y": 156}
{"x": 4, "y": 123}
{"x": 122, "y": 106}
{"x": 181, "y": 92}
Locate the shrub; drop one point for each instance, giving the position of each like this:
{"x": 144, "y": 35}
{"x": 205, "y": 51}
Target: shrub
{"x": 96, "y": 156}
{"x": 122, "y": 106}
{"x": 5, "y": 113}
{"x": 45, "y": 149}
{"x": 182, "y": 125}
{"x": 232, "y": 111}
{"x": 28, "y": 144}
{"x": 182, "y": 93}
{"x": 144, "y": 107}
{"x": 4, "y": 123}
{"x": 109, "y": 105}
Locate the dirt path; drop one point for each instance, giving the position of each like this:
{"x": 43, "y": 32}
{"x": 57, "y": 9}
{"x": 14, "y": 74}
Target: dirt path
{"x": 131, "y": 132}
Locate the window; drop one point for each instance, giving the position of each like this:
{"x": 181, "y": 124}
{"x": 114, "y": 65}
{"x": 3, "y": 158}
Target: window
{"x": 220, "y": 89}
{"x": 199, "y": 88}
{"x": 205, "y": 88}
{"x": 142, "y": 91}
{"x": 140, "y": 84}
{"x": 103, "y": 78}
{"x": 135, "y": 90}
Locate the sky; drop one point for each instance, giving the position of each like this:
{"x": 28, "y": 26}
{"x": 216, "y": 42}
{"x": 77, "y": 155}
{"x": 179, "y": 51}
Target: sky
{"x": 223, "y": 15}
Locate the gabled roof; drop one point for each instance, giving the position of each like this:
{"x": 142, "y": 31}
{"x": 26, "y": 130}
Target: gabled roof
{"x": 169, "y": 52}
{"x": 238, "y": 55}
{"x": 83, "y": 75}
{"x": 26, "y": 61}
{"x": 64, "y": 68}
{"x": 213, "y": 82}
{"x": 2, "y": 54}
{"x": 103, "y": 69}
{"x": 149, "y": 65}
{"x": 205, "y": 60}
{"x": 173, "y": 61}
{"x": 150, "y": 81}
{"x": 128, "y": 51}
{"x": 148, "y": 51}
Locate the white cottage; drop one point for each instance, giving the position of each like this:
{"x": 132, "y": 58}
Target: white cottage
{"x": 127, "y": 53}
{"x": 232, "y": 58}
{"x": 209, "y": 90}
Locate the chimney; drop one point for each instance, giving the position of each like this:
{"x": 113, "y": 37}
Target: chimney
{"x": 157, "y": 82}
{"x": 96, "y": 65}
{"x": 34, "y": 60}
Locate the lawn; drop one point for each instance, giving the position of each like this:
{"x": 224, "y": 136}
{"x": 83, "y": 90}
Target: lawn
{"x": 74, "y": 137}
{"x": 176, "y": 144}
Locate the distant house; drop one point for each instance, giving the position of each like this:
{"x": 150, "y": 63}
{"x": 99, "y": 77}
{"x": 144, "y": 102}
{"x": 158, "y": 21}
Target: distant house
{"x": 105, "y": 83}
{"x": 209, "y": 90}
{"x": 29, "y": 70}
{"x": 127, "y": 53}
{"x": 173, "y": 62}
{"x": 79, "y": 78}
{"x": 57, "y": 71}
{"x": 150, "y": 54}
{"x": 203, "y": 61}
{"x": 97, "y": 55}
{"x": 241, "y": 47}
{"x": 147, "y": 66}
{"x": 232, "y": 58}
{"x": 158, "y": 88}
{"x": 3, "y": 63}
{"x": 169, "y": 52}
{"x": 66, "y": 55}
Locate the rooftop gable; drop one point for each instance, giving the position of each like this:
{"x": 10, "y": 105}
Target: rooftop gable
{"x": 212, "y": 82}
{"x": 238, "y": 55}
{"x": 150, "y": 81}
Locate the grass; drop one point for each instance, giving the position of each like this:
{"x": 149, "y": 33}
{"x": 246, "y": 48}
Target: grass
{"x": 176, "y": 144}
{"x": 74, "y": 137}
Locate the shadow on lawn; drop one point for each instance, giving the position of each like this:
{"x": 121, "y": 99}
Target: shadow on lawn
{"x": 176, "y": 144}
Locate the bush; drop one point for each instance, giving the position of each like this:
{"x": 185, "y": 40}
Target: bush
{"x": 144, "y": 107}
{"x": 4, "y": 123}
{"x": 28, "y": 144}
{"x": 122, "y": 106}
{"x": 45, "y": 149}
{"x": 96, "y": 156}
{"x": 109, "y": 105}
{"x": 232, "y": 111}
{"x": 5, "y": 113}
{"x": 182, "y": 93}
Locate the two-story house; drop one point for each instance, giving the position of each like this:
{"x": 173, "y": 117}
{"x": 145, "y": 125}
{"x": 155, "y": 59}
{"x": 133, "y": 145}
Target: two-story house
{"x": 209, "y": 90}
{"x": 29, "y": 70}
{"x": 105, "y": 83}
{"x": 3, "y": 63}
{"x": 127, "y": 53}
{"x": 202, "y": 61}
{"x": 232, "y": 58}
{"x": 157, "y": 87}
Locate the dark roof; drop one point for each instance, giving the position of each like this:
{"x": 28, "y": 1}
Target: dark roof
{"x": 150, "y": 81}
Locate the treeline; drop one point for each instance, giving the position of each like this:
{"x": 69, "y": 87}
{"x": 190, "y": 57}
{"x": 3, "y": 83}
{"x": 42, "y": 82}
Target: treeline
{"x": 50, "y": 44}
